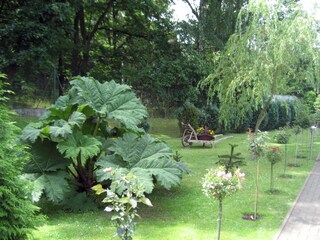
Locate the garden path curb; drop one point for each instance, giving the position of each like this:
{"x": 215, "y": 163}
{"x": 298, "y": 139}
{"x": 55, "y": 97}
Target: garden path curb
{"x": 303, "y": 220}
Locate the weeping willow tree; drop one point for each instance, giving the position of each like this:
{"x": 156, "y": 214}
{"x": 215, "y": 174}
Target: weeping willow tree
{"x": 275, "y": 43}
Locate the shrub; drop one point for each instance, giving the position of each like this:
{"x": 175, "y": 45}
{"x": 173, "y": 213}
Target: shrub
{"x": 284, "y": 114}
{"x": 209, "y": 117}
{"x": 282, "y": 136}
{"x": 316, "y": 104}
{"x": 188, "y": 113}
{"x": 309, "y": 99}
{"x": 273, "y": 116}
{"x": 17, "y": 213}
{"x": 244, "y": 125}
{"x": 292, "y": 105}
{"x": 303, "y": 116}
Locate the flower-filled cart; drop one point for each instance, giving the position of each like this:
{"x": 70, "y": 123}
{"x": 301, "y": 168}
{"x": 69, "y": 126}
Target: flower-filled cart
{"x": 202, "y": 135}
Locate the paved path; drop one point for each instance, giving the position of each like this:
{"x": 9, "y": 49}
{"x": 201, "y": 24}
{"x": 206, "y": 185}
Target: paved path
{"x": 303, "y": 220}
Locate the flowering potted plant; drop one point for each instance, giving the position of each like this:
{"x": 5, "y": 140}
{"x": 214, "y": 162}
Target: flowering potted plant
{"x": 218, "y": 184}
{"x": 205, "y": 134}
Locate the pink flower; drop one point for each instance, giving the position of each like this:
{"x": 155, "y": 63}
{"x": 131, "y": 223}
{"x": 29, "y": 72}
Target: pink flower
{"x": 242, "y": 175}
{"x": 221, "y": 173}
{"x": 229, "y": 175}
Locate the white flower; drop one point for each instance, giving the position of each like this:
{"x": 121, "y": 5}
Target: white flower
{"x": 108, "y": 209}
{"x": 108, "y": 169}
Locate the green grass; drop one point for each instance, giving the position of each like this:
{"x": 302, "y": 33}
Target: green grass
{"x": 184, "y": 212}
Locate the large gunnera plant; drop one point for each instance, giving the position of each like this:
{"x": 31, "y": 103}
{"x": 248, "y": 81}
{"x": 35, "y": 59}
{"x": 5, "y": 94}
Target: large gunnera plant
{"x": 93, "y": 127}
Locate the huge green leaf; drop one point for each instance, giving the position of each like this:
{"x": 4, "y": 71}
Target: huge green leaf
{"x": 133, "y": 149}
{"x": 111, "y": 100}
{"x": 45, "y": 158}
{"x": 31, "y": 132}
{"x": 60, "y": 128}
{"x": 146, "y": 157}
{"x": 77, "y": 118}
{"x": 53, "y": 184}
{"x": 167, "y": 172}
{"x": 81, "y": 145}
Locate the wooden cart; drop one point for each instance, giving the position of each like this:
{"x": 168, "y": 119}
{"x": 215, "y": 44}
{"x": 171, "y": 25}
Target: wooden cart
{"x": 190, "y": 136}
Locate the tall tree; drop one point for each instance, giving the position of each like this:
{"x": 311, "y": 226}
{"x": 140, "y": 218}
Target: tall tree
{"x": 216, "y": 21}
{"x": 261, "y": 57}
{"x": 34, "y": 39}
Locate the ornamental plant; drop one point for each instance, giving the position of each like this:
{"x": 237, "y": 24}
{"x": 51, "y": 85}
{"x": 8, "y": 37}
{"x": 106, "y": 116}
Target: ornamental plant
{"x": 123, "y": 196}
{"x": 296, "y": 130}
{"x": 257, "y": 145}
{"x": 232, "y": 161}
{"x": 202, "y": 130}
{"x": 273, "y": 154}
{"x": 218, "y": 184}
{"x": 94, "y": 126}
{"x": 18, "y": 216}
{"x": 282, "y": 137}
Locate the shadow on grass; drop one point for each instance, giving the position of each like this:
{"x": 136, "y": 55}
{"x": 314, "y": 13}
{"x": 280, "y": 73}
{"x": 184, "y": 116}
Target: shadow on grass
{"x": 250, "y": 216}
{"x": 288, "y": 176}
{"x": 294, "y": 165}
{"x": 274, "y": 192}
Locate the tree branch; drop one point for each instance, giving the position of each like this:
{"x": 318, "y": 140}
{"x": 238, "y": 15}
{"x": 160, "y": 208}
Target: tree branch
{"x": 193, "y": 10}
{"x": 100, "y": 19}
{"x": 139, "y": 35}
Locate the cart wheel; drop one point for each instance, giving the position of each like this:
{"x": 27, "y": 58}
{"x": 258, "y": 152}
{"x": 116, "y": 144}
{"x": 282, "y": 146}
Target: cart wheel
{"x": 184, "y": 141}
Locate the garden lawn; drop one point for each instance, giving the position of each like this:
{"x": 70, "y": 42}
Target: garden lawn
{"x": 185, "y": 212}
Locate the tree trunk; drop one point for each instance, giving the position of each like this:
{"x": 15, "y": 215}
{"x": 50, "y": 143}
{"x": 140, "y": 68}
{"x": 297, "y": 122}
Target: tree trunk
{"x": 76, "y": 46}
{"x": 219, "y": 219}
{"x": 257, "y": 187}
{"x": 271, "y": 178}
{"x": 285, "y": 159}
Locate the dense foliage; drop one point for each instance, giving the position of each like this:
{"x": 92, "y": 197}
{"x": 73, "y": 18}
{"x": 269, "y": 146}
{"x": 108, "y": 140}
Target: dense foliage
{"x": 17, "y": 214}
{"x": 93, "y": 127}
{"x": 256, "y": 64}
{"x": 188, "y": 113}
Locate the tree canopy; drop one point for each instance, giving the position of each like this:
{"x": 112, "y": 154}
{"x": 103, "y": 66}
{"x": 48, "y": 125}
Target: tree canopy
{"x": 271, "y": 42}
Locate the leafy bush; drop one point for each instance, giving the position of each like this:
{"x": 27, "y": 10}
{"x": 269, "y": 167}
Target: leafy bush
{"x": 293, "y": 107}
{"x": 282, "y": 136}
{"x": 316, "y": 104}
{"x": 188, "y": 113}
{"x": 284, "y": 114}
{"x": 209, "y": 117}
{"x": 303, "y": 116}
{"x": 273, "y": 116}
{"x": 309, "y": 99}
{"x": 94, "y": 125}
{"x": 243, "y": 126}
{"x": 17, "y": 213}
